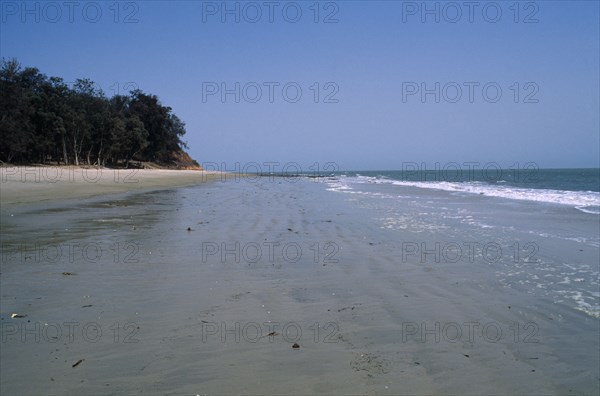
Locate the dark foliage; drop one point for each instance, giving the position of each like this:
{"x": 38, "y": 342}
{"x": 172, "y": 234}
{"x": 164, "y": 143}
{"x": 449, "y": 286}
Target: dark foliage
{"x": 42, "y": 120}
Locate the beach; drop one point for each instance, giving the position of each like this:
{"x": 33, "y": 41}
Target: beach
{"x": 28, "y": 184}
{"x": 192, "y": 283}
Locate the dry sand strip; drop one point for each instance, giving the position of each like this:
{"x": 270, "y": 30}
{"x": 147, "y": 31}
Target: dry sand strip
{"x": 29, "y": 184}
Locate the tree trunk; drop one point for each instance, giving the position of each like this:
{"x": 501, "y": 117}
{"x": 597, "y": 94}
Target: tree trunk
{"x": 99, "y": 161}
{"x": 64, "y": 144}
{"x": 75, "y": 151}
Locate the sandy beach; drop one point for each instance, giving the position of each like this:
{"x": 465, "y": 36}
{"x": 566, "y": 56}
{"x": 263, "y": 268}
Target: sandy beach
{"x": 29, "y": 184}
{"x": 280, "y": 286}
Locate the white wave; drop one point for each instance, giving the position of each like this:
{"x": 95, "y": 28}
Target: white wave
{"x": 585, "y": 201}
{"x": 593, "y": 209}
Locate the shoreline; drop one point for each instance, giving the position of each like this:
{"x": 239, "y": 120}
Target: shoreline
{"x": 33, "y": 184}
{"x": 226, "y": 278}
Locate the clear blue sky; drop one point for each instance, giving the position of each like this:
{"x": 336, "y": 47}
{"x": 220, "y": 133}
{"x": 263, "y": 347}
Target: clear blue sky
{"x": 377, "y": 58}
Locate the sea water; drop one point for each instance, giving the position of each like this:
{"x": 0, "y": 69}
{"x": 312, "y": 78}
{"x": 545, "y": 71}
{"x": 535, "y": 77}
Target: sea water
{"x": 543, "y": 224}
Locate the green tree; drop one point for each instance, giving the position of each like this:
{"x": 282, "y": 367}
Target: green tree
{"x": 42, "y": 119}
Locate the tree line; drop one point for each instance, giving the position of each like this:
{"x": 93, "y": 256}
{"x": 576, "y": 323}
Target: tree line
{"x": 43, "y": 120}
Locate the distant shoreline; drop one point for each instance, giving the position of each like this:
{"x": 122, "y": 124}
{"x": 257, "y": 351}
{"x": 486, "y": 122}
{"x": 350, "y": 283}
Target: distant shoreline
{"x": 33, "y": 184}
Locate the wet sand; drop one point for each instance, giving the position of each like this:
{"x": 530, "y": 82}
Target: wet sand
{"x": 156, "y": 308}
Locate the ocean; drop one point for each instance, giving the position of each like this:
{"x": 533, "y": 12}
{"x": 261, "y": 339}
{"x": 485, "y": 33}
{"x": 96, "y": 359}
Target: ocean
{"x": 518, "y": 211}
{"x": 579, "y": 188}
